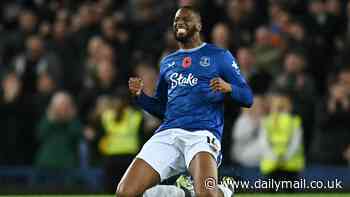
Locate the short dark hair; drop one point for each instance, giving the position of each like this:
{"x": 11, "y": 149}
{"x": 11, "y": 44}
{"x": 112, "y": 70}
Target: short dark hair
{"x": 192, "y": 9}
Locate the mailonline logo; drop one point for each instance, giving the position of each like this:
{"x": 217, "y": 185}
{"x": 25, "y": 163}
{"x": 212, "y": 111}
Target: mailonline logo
{"x": 182, "y": 80}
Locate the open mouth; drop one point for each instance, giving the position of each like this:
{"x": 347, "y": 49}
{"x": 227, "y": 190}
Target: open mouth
{"x": 181, "y": 29}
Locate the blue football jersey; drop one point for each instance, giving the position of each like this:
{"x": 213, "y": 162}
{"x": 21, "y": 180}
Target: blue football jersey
{"x": 183, "y": 97}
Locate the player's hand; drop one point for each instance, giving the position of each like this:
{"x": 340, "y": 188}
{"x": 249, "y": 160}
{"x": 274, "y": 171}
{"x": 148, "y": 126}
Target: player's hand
{"x": 135, "y": 86}
{"x": 218, "y": 84}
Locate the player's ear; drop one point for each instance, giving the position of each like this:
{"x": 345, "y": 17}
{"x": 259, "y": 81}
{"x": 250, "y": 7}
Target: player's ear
{"x": 199, "y": 27}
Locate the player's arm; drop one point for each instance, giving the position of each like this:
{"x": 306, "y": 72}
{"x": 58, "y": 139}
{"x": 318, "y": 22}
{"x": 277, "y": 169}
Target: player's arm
{"x": 231, "y": 81}
{"x": 154, "y": 105}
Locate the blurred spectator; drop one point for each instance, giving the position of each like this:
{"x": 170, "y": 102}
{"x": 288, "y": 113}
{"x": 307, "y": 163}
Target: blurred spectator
{"x": 100, "y": 52}
{"x": 12, "y": 115}
{"x": 279, "y": 25}
{"x": 268, "y": 57}
{"x": 170, "y": 44}
{"x": 29, "y": 67}
{"x": 118, "y": 38}
{"x": 221, "y": 36}
{"x": 296, "y": 38}
{"x": 282, "y": 152}
{"x": 148, "y": 73}
{"x": 46, "y": 88}
{"x": 259, "y": 81}
{"x": 34, "y": 61}
{"x": 302, "y": 89}
{"x": 44, "y": 30}
{"x": 59, "y": 134}
{"x": 241, "y": 20}
{"x": 333, "y": 7}
{"x": 247, "y": 141}
{"x": 118, "y": 130}
{"x": 322, "y": 29}
{"x": 85, "y": 25}
{"x": 104, "y": 83}
{"x": 15, "y": 42}
{"x": 93, "y": 54}
{"x": 61, "y": 43}
{"x": 332, "y": 137}
{"x": 145, "y": 22}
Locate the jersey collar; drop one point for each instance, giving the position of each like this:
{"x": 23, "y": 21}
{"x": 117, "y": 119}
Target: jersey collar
{"x": 193, "y": 49}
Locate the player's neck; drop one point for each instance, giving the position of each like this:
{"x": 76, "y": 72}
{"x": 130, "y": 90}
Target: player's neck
{"x": 193, "y": 43}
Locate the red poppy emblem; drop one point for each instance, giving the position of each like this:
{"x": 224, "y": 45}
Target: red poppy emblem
{"x": 186, "y": 62}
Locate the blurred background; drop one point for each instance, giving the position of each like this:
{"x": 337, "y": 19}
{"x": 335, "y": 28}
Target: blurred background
{"x": 67, "y": 121}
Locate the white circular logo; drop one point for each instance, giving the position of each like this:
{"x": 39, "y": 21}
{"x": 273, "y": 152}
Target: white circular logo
{"x": 210, "y": 183}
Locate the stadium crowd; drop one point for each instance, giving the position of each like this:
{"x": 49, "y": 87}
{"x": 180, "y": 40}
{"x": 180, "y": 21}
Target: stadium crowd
{"x": 65, "y": 66}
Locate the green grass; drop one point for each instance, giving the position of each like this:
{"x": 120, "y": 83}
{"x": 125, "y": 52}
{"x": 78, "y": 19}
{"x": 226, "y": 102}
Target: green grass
{"x": 290, "y": 195}
{"x": 237, "y": 195}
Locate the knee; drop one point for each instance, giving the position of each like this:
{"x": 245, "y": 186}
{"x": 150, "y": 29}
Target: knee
{"x": 207, "y": 193}
{"x": 124, "y": 191}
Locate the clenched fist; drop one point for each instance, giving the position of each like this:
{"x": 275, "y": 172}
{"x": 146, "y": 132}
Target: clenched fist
{"x": 218, "y": 84}
{"x": 135, "y": 86}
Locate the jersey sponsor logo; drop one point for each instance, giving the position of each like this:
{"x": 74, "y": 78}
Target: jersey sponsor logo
{"x": 182, "y": 80}
{"x": 205, "y": 61}
{"x": 186, "y": 62}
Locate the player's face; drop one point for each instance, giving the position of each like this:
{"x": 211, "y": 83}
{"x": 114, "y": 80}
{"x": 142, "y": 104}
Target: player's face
{"x": 186, "y": 24}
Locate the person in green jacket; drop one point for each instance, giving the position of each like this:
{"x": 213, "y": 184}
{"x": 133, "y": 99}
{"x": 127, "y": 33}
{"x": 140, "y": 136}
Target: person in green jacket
{"x": 59, "y": 134}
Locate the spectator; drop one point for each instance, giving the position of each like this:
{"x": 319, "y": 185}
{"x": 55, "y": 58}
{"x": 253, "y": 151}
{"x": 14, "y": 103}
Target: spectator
{"x": 148, "y": 73}
{"x": 331, "y": 137}
{"x": 279, "y": 25}
{"x": 118, "y": 132}
{"x": 322, "y": 29}
{"x": 241, "y": 23}
{"x": 302, "y": 87}
{"x": 296, "y": 38}
{"x": 29, "y": 66}
{"x": 44, "y": 30}
{"x": 118, "y": 38}
{"x": 12, "y": 115}
{"x": 106, "y": 81}
{"x": 35, "y": 61}
{"x": 15, "y": 42}
{"x": 46, "y": 88}
{"x": 170, "y": 44}
{"x": 268, "y": 57}
{"x": 93, "y": 54}
{"x": 85, "y": 26}
{"x": 259, "y": 81}
{"x": 282, "y": 152}
{"x": 59, "y": 134}
{"x": 142, "y": 18}
{"x": 221, "y": 36}
{"x": 100, "y": 52}
{"x": 247, "y": 141}
{"x": 333, "y": 7}
{"x": 62, "y": 45}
